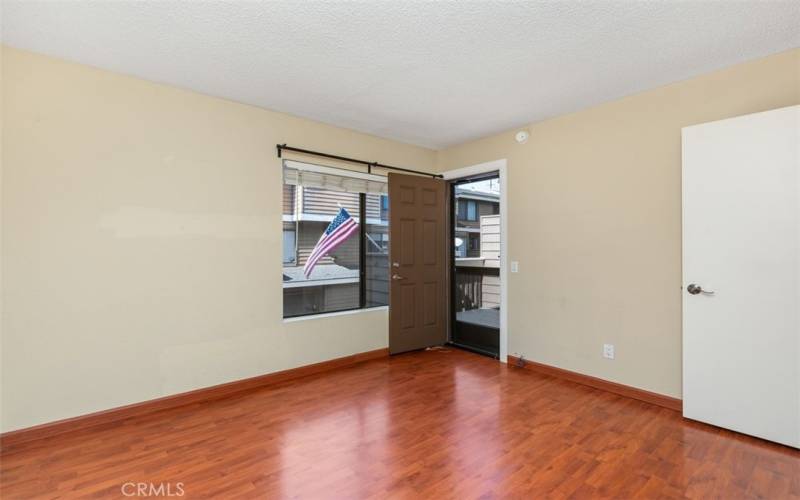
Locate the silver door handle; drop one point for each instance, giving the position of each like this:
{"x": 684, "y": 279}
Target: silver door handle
{"x": 697, "y": 289}
{"x": 397, "y": 277}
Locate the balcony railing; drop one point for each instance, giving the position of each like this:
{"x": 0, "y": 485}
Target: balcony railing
{"x": 475, "y": 288}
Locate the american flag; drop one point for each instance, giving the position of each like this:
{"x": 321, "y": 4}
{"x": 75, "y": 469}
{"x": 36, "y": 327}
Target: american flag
{"x": 337, "y": 233}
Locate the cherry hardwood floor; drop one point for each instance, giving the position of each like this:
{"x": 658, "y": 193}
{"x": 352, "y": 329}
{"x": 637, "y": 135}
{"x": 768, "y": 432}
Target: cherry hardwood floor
{"x": 433, "y": 424}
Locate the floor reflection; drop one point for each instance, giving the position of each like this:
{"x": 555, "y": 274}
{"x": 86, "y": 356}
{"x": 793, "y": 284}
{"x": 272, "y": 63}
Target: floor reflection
{"x": 430, "y": 424}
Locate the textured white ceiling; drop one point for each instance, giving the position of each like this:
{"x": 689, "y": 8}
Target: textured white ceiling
{"x": 427, "y": 73}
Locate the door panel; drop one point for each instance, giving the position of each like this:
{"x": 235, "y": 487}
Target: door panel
{"x": 430, "y": 242}
{"x": 741, "y": 241}
{"x": 429, "y": 299}
{"x": 417, "y": 297}
{"x": 406, "y": 304}
{"x": 429, "y": 197}
{"x": 407, "y": 241}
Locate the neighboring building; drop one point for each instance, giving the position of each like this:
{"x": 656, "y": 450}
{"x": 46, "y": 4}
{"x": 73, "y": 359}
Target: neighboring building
{"x": 473, "y": 201}
{"x": 478, "y": 278}
{"x": 334, "y": 283}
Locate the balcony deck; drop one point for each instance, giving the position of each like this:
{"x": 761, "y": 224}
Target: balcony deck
{"x": 482, "y": 317}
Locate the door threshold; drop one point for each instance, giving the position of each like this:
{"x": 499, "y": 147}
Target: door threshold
{"x": 476, "y": 350}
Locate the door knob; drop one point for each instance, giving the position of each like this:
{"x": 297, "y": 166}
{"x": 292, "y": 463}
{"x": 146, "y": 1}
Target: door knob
{"x": 397, "y": 277}
{"x": 697, "y": 289}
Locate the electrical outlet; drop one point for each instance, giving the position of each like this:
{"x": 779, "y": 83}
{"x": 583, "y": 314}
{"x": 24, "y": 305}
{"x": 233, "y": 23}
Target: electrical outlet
{"x": 514, "y": 266}
{"x": 608, "y": 351}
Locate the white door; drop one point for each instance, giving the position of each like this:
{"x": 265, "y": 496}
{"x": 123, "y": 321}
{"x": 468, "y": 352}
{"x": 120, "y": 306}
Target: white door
{"x": 741, "y": 241}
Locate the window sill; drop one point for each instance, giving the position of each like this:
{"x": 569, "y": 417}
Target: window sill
{"x": 333, "y": 314}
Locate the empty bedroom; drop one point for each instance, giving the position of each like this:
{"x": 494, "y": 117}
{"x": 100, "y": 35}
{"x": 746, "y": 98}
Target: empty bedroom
{"x": 400, "y": 249}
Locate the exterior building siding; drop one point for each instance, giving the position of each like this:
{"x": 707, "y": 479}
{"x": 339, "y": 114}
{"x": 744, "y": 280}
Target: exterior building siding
{"x": 321, "y": 202}
{"x": 490, "y": 240}
{"x": 288, "y": 199}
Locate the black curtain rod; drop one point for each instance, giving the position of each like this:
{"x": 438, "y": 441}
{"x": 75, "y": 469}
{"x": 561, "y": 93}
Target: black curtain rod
{"x": 370, "y": 164}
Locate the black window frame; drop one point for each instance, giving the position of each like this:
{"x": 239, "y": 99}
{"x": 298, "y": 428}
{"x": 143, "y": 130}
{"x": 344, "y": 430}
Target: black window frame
{"x": 362, "y": 268}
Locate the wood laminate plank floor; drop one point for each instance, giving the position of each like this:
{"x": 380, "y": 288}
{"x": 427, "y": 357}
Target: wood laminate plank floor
{"x": 433, "y": 424}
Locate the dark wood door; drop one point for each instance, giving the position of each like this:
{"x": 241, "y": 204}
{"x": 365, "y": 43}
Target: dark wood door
{"x": 418, "y": 293}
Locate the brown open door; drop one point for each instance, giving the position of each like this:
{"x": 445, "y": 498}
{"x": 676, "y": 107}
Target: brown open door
{"x": 418, "y": 292}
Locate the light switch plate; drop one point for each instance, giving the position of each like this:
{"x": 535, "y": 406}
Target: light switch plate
{"x": 514, "y": 266}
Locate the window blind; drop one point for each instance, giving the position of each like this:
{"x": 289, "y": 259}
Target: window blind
{"x": 334, "y": 179}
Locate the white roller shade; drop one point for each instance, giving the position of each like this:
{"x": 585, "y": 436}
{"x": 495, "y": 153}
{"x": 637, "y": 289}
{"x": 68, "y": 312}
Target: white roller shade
{"x": 333, "y": 179}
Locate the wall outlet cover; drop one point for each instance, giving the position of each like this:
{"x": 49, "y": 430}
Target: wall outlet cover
{"x": 608, "y": 351}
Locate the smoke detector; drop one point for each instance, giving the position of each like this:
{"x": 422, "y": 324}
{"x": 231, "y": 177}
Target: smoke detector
{"x": 522, "y": 136}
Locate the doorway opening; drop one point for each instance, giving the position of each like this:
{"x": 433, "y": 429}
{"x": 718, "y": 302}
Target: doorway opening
{"x": 475, "y": 235}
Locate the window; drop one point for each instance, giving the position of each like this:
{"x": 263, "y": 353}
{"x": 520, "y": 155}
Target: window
{"x": 467, "y": 210}
{"x": 384, "y": 207}
{"x": 472, "y": 210}
{"x": 354, "y": 272}
{"x": 475, "y": 243}
{"x": 289, "y": 248}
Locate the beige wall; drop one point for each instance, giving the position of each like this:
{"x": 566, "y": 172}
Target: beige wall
{"x": 594, "y": 219}
{"x": 142, "y": 241}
